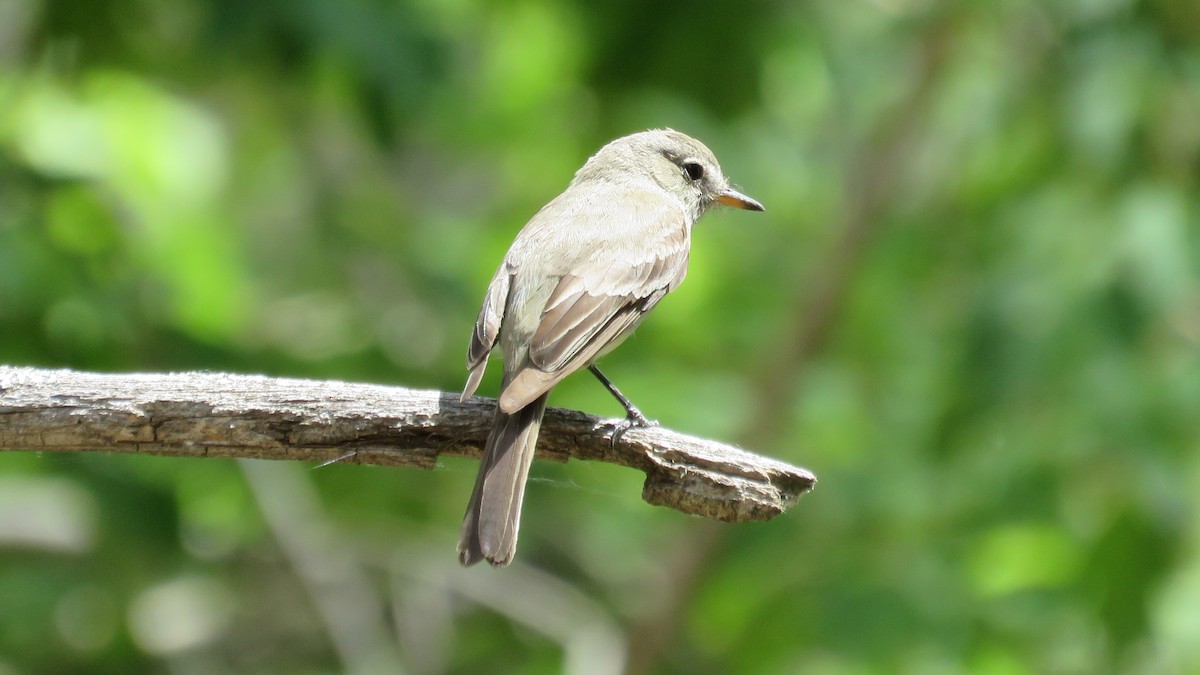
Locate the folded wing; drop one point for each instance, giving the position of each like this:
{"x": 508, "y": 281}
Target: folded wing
{"x": 592, "y": 309}
{"x": 487, "y": 328}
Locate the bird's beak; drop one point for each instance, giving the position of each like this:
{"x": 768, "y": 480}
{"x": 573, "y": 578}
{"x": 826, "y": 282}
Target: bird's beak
{"x": 731, "y": 197}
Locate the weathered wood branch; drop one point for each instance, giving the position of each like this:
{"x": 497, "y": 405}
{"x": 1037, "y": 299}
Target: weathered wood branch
{"x": 221, "y": 415}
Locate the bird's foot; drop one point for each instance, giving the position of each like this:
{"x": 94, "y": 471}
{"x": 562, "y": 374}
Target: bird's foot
{"x": 633, "y": 419}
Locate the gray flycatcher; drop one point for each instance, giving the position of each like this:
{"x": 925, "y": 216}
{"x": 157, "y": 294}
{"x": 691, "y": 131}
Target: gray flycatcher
{"x": 577, "y": 281}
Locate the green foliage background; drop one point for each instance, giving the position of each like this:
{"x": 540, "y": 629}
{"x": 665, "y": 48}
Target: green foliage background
{"x": 972, "y": 308}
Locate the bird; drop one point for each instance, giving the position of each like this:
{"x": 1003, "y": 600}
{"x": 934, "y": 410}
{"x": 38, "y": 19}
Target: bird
{"x": 577, "y": 280}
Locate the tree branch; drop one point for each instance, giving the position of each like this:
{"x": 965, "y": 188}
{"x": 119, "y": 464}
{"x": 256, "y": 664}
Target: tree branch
{"x": 222, "y": 415}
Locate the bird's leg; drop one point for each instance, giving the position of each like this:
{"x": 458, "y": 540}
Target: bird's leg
{"x": 633, "y": 416}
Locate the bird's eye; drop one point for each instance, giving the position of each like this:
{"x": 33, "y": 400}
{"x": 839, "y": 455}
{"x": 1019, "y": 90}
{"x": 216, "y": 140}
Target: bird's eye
{"x": 693, "y": 170}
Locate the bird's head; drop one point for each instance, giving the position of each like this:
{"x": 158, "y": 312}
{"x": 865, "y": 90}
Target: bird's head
{"x": 681, "y": 165}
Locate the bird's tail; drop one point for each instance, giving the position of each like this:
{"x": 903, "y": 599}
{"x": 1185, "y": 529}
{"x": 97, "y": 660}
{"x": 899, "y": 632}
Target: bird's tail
{"x": 489, "y": 529}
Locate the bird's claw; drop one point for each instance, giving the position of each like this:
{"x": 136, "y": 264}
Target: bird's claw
{"x": 635, "y": 419}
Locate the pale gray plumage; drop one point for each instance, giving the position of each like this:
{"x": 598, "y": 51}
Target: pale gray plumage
{"x": 576, "y": 282}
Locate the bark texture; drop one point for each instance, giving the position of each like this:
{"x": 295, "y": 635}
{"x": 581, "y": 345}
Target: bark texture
{"x": 249, "y": 416}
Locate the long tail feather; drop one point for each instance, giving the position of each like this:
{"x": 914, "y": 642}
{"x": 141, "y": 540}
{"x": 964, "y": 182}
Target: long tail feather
{"x": 489, "y": 529}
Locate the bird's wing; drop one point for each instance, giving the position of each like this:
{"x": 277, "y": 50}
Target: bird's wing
{"x": 596, "y": 306}
{"x": 487, "y": 328}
